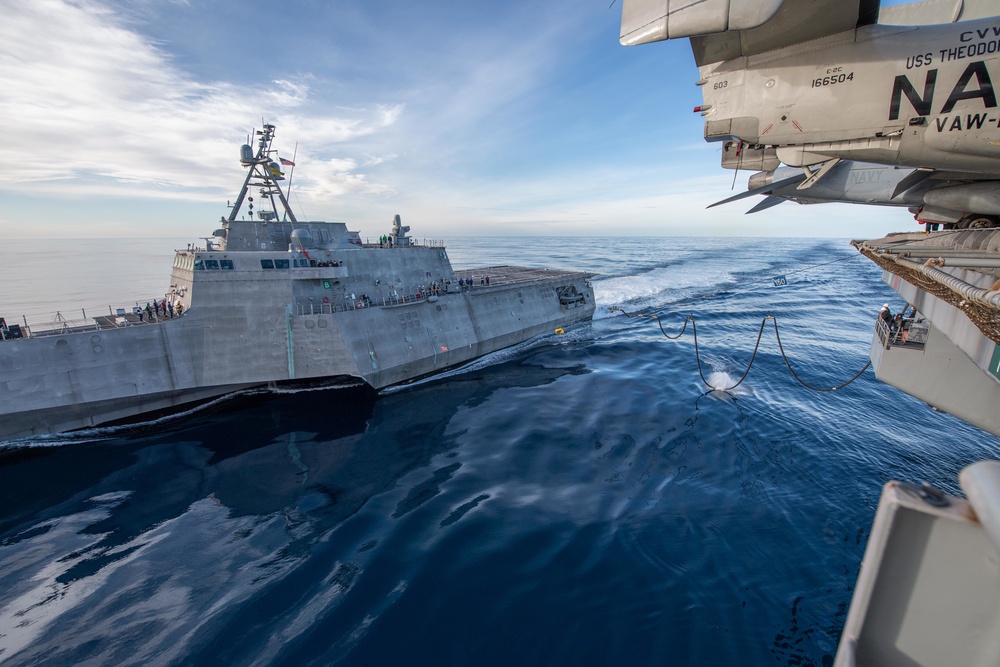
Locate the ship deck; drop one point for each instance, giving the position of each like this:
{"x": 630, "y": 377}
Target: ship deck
{"x": 510, "y": 275}
{"x": 499, "y": 276}
{"x": 974, "y": 249}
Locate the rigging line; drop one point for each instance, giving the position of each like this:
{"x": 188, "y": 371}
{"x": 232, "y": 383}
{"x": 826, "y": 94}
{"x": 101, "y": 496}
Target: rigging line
{"x": 697, "y": 356}
{"x": 839, "y": 259}
{"x": 659, "y": 323}
{"x": 299, "y": 202}
{"x": 739, "y": 161}
{"x": 807, "y": 386}
{"x": 760, "y": 333}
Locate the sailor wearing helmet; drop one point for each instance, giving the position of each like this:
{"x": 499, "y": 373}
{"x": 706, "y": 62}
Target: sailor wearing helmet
{"x": 886, "y": 315}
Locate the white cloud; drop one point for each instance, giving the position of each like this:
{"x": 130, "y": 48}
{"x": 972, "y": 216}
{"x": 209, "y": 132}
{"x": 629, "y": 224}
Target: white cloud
{"x": 510, "y": 128}
{"x": 93, "y": 104}
{"x": 333, "y": 178}
{"x": 287, "y": 94}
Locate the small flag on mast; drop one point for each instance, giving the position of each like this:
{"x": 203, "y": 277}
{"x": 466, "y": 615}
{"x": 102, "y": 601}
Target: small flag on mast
{"x": 287, "y": 163}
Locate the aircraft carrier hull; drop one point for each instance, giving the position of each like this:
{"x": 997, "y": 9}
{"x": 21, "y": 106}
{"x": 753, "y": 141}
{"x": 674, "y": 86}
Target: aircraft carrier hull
{"x": 949, "y": 282}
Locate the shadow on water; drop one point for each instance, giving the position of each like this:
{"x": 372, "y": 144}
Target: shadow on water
{"x": 258, "y": 455}
{"x": 284, "y": 469}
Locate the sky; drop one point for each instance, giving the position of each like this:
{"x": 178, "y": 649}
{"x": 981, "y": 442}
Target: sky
{"x": 124, "y": 118}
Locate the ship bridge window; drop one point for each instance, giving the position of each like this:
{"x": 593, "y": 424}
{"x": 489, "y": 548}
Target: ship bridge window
{"x": 199, "y": 265}
{"x": 300, "y": 262}
{"x": 267, "y": 263}
{"x": 227, "y": 264}
{"x": 212, "y": 264}
{"x": 281, "y": 263}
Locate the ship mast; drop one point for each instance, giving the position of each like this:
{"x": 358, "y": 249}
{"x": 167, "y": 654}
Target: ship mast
{"x": 263, "y": 173}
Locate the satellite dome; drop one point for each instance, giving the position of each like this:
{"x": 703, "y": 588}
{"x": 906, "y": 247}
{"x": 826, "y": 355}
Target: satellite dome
{"x": 301, "y": 239}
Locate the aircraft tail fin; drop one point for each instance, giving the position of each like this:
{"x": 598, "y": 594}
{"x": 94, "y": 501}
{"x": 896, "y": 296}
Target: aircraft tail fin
{"x": 767, "y": 203}
{"x": 762, "y": 190}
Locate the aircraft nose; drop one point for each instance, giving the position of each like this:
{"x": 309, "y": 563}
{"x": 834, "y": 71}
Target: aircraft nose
{"x": 760, "y": 179}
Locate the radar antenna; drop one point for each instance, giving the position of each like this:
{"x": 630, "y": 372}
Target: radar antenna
{"x": 264, "y": 173}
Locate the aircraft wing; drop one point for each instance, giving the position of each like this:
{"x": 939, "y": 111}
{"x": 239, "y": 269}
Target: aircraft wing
{"x": 645, "y": 21}
{"x": 725, "y": 29}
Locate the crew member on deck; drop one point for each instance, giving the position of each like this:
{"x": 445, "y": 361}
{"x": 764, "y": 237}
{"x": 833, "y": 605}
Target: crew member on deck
{"x": 886, "y": 316}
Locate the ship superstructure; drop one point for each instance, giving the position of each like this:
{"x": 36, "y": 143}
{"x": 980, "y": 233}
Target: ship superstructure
{"x": 269, "y": 299}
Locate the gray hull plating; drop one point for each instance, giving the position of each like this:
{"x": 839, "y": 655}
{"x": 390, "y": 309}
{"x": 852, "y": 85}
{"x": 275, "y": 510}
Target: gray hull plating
{"x": 246, "y": 331}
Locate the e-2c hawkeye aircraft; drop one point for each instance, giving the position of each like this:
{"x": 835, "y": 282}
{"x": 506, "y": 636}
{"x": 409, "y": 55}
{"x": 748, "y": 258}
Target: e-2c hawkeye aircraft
{"x": 822, "y": 86}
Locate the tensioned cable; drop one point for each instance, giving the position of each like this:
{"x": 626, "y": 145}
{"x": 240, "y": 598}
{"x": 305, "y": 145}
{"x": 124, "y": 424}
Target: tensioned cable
{"x": 832, "y": 261}
{"x": 760, "y": 334}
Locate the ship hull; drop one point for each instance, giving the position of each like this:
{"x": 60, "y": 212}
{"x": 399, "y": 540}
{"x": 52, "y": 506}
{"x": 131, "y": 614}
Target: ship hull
{"x": 77, "y": 380}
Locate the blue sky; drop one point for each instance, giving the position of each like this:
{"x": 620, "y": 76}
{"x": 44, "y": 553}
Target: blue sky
{"x": 124, "y": 119}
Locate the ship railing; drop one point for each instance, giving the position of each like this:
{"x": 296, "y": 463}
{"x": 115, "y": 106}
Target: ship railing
{"x": 60, "y": 326}
{"x": 910, "y": 334}
{"x": 361, "y": 302}
{"x": 39, "y": 333}
{"x": 414, "y": 243}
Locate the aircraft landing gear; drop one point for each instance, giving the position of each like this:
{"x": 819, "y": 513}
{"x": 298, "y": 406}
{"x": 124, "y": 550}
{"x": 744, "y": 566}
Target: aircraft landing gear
{"x": 978, "y": 222}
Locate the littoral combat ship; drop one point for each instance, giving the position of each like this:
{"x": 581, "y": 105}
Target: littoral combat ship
{"x": 270, "y": 300}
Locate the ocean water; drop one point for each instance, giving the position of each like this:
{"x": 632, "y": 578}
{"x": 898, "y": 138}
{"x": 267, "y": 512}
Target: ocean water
{"x": 582, "y": 499}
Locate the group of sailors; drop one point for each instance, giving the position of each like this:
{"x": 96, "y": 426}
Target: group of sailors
{"x": 7, "y": 333}
{"x": 898, "y": 325}
{"x": 432, "y": 289}
{"x": 469, "y": 282}
{"x": 161, "y": 308}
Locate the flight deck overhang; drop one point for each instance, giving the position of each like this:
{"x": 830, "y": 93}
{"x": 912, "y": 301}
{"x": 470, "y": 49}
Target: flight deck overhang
{"x": 959, "y": 268}
{"x": 951, "y": 278}
{"x": 941, "y": 374}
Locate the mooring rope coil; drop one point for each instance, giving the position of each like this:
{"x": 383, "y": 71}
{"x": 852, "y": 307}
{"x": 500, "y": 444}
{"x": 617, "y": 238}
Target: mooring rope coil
{"x": 760, "y": 334}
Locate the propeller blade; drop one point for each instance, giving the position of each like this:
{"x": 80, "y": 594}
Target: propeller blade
{"x": 767, "y": 203}
{"x": 763, "y": 190}
{"x": 914, "y": 177}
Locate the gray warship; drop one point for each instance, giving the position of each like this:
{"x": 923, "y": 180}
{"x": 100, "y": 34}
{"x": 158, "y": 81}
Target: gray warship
{"x": 270, "y": 300}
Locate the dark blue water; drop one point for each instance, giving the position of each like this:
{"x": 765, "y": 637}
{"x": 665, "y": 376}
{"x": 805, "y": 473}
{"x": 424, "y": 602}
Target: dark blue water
{"x": 577, "y": 500}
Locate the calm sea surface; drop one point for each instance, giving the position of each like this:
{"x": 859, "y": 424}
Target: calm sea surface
{"x": 579, "y": 500}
